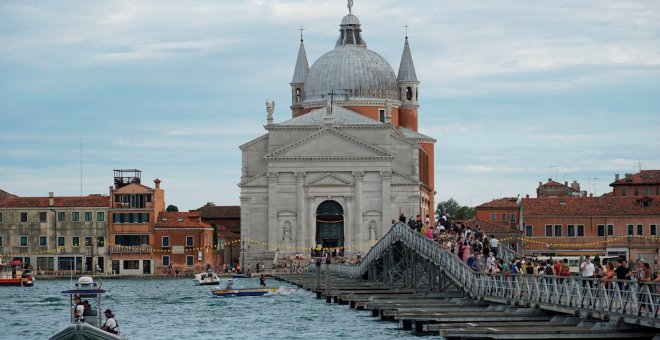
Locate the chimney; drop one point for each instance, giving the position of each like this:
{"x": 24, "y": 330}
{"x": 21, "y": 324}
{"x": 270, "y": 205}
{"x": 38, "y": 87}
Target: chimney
{"x": 566, "y": 183}
{"x": 157, "y": 182}
{"x": 527, "y": 196}
{"x": 629, "y": 177}
{"x": 616, "y": 177}
{"x": 51, "y": 199}
{"x": 591, "y": 194}
{"x": 549, "y": 179}
{"x": 540, "y": 183}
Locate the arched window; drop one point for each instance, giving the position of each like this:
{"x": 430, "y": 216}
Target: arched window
{"x": 298, "y": 95}
{"x": 409, "y": 93}
{"x": 416, "y": 95}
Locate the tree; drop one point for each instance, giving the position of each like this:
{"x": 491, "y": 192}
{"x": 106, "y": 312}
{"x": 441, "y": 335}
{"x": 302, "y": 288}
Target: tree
{"x": 172, "y": 208}
{"x": 454, "y": 210}
{"x": 464, "y": 213}
{"x": 210, "y": 204}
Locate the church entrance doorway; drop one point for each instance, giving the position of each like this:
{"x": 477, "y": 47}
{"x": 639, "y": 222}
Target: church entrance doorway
{"x": 330, "y": 225}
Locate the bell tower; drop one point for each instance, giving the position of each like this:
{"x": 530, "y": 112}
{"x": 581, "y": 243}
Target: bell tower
{"x": 298, "y": 81}
{"x": 408, "y": 90}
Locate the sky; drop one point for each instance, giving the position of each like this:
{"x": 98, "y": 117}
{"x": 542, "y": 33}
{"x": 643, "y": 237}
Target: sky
{"x": 515, "y": 92}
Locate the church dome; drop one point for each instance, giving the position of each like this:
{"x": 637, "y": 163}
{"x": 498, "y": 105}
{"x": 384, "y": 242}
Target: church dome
{"x": 350, "y": 70}
{"x": 364, "y": 73}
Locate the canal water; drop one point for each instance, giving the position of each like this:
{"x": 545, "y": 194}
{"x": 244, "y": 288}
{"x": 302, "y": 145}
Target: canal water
{"x": 177, "y": 309}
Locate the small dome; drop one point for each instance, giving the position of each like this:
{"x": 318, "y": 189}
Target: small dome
{"x": 357, "y": 69}
{"x": 350, "y": 19}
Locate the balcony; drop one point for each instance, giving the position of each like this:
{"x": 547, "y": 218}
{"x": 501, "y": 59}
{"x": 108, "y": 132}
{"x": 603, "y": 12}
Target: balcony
{"x": 141, "y": 249}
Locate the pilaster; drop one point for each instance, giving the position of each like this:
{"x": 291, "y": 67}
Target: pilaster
{"x": 300, "y": 210}
{"x": 272, "y": 231}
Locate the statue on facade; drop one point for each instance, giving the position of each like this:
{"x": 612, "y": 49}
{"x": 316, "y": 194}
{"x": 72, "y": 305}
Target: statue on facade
{"x": 270, "y": 108}
{"x": 372, "y": 231}
{"x": 286, "y": 231}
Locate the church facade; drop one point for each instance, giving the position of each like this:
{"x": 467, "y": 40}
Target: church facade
{"x": 347, "y": 163}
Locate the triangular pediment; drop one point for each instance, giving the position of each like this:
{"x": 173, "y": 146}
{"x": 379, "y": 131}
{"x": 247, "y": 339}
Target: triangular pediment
{"x": 329, "y": 144}
{"x": 401, "y": 179}
{"x": 258, "y": 181}
{"x": 329, "y": 180}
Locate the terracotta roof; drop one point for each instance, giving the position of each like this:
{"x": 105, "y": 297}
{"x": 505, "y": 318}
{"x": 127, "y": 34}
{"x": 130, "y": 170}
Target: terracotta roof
{"x": 489, "y": 227}
{"x": 589, "y": 206}
{"x": 552, "y": 183}
{"x": 42, "y": 202}
{"x": 217, "y": 212}
{"x": 175, "y": 219}
{"x": 5, "y": 195}
{"x": 642, "y": 177}
{"x": 505, "y": 202}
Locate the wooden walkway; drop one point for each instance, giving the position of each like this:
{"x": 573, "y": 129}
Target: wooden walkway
{"x": 454, "y": 316}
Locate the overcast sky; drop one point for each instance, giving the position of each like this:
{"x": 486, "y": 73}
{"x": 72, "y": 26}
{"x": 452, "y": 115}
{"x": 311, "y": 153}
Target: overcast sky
{"x": 514, "y": 91}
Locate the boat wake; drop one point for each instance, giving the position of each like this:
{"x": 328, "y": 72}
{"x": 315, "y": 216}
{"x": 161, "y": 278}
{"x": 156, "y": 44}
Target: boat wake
{"x": 284, "y": 291}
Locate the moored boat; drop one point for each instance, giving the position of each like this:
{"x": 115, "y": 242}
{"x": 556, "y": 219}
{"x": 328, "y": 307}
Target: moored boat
{"x": 207, "y": 279}
{"x": 243, "y": 292}
{"x": 87, "y": 325}
{"x": 12, "y": 274}
{"x": 242, "y": 276}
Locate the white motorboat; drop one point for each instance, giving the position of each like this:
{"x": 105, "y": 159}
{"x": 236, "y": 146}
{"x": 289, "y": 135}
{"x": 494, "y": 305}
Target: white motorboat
{"x": 207, "y": 279}
{"x": 89, "y": 325}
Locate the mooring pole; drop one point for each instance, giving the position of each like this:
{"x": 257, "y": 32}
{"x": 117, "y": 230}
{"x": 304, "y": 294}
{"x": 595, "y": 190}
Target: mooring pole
{"x": 328, "y": 260}
{"x": 318, "y": 278}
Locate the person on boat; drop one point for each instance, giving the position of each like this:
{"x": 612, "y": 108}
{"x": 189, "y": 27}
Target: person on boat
{"x": 262, "y": 280}
{"x": 79, "y": 309}
{"x": 87, "y": 309}
{"x": 110, "y": 325}
{"x": 230, "y": 284}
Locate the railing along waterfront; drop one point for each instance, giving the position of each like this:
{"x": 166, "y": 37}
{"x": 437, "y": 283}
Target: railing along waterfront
{"x": 635, "y": 302}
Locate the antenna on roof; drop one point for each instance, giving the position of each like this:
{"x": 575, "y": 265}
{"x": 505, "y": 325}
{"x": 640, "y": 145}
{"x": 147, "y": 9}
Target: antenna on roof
{"x": 639, "y": 163}
{"x": 81, "y": 159}
{"x": 593, "y": 179}
{"x": 551, "y": 167}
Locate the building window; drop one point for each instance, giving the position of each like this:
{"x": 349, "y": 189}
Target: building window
{"x": 648, "y": 191}
{"x": 513, "y": 217}
{"x": 624, "y": 191}
{"x": 601, "y": 230}
{"x": 88, "y": 241}
{"x": 557, "y": 230}
{"x": 75, "y": 216}
{"x": 636, "y": 191}
{"x": 654, "y": 231}
{"x": 548, "y": 230}
{"x": 189, "y": 241}
{"x": 42, "y": 241}
{"x": 100, "y": 216}
{"x": 580, "y": 232}
{"x": 42, "y": 216}
{"x": 640, "y": 229}
{"x": 529, "y": 231}
{"x": 570, "y": 230}
{"x": 610, "y": 230}
{"x": 61, "y": 216}
{"x": 60, "y": 241}
{"x": 630, "y": 229}
{"x": 504, "y": 217}
{"x": 148, "y": 197}
{"x": 493, "y": 216}
{"x": 88, "y": 216}
{"x": 131, "y": 240}
{"x": 100, "y": 241}
{"x": 23, "y": 241}
{"x": 166, "y": 260}
{"x": 0, "y": 241}
{"x": 166, "y": 241}
{"x": 381, "y": 115}
{"x": 76, "y": 241}
{"x": 190, "y": 260}
{"x": 23, "y": 217}
{"x": 131, "y": 264}
{"x": 0, "y": 217}
{"x": 409, "y": 93}
{"x": 298, "y": 96}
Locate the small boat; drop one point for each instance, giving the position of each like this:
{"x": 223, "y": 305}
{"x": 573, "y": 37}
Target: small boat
{"x": 89, "y": 327}
{"x": 243, "y": 292}
{"x": 242, "y": 276}
{"x": 12, "y": 274}
{"x": 207, "y": 279}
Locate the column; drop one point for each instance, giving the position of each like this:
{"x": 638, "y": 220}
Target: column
{"x": 300, "y": 211}
{"x": 349, "y": 228}
{"x": 272, "y": 230}
{"x": 387, "y": 213}
{"x": 359, "y": 232}
{"x": 310, "y": 228}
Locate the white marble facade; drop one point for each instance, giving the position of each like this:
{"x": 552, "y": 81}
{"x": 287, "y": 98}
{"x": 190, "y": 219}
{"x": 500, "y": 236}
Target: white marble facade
{"x": 366, "y": 166}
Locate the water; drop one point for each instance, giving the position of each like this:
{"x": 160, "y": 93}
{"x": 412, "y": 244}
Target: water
{"x": 177, "y": 309}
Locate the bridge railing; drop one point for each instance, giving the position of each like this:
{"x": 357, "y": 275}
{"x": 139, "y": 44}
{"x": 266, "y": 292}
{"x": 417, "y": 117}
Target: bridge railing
{"x": 626, "y": 298}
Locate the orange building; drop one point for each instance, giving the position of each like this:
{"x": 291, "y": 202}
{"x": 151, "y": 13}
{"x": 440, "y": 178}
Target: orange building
{"x": 134, "y": 209}
{"x": 502, "y": 211}
{"x": 226, "y": 223}
{"x": 644, "y": 183}
{"x": 183, "y": 241}
{"x": 605, "y": 226}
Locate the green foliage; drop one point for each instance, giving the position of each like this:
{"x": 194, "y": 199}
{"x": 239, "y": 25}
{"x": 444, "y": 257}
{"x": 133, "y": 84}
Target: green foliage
{"x": 172, "y": 208}
{"x": 455, "y": 210}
